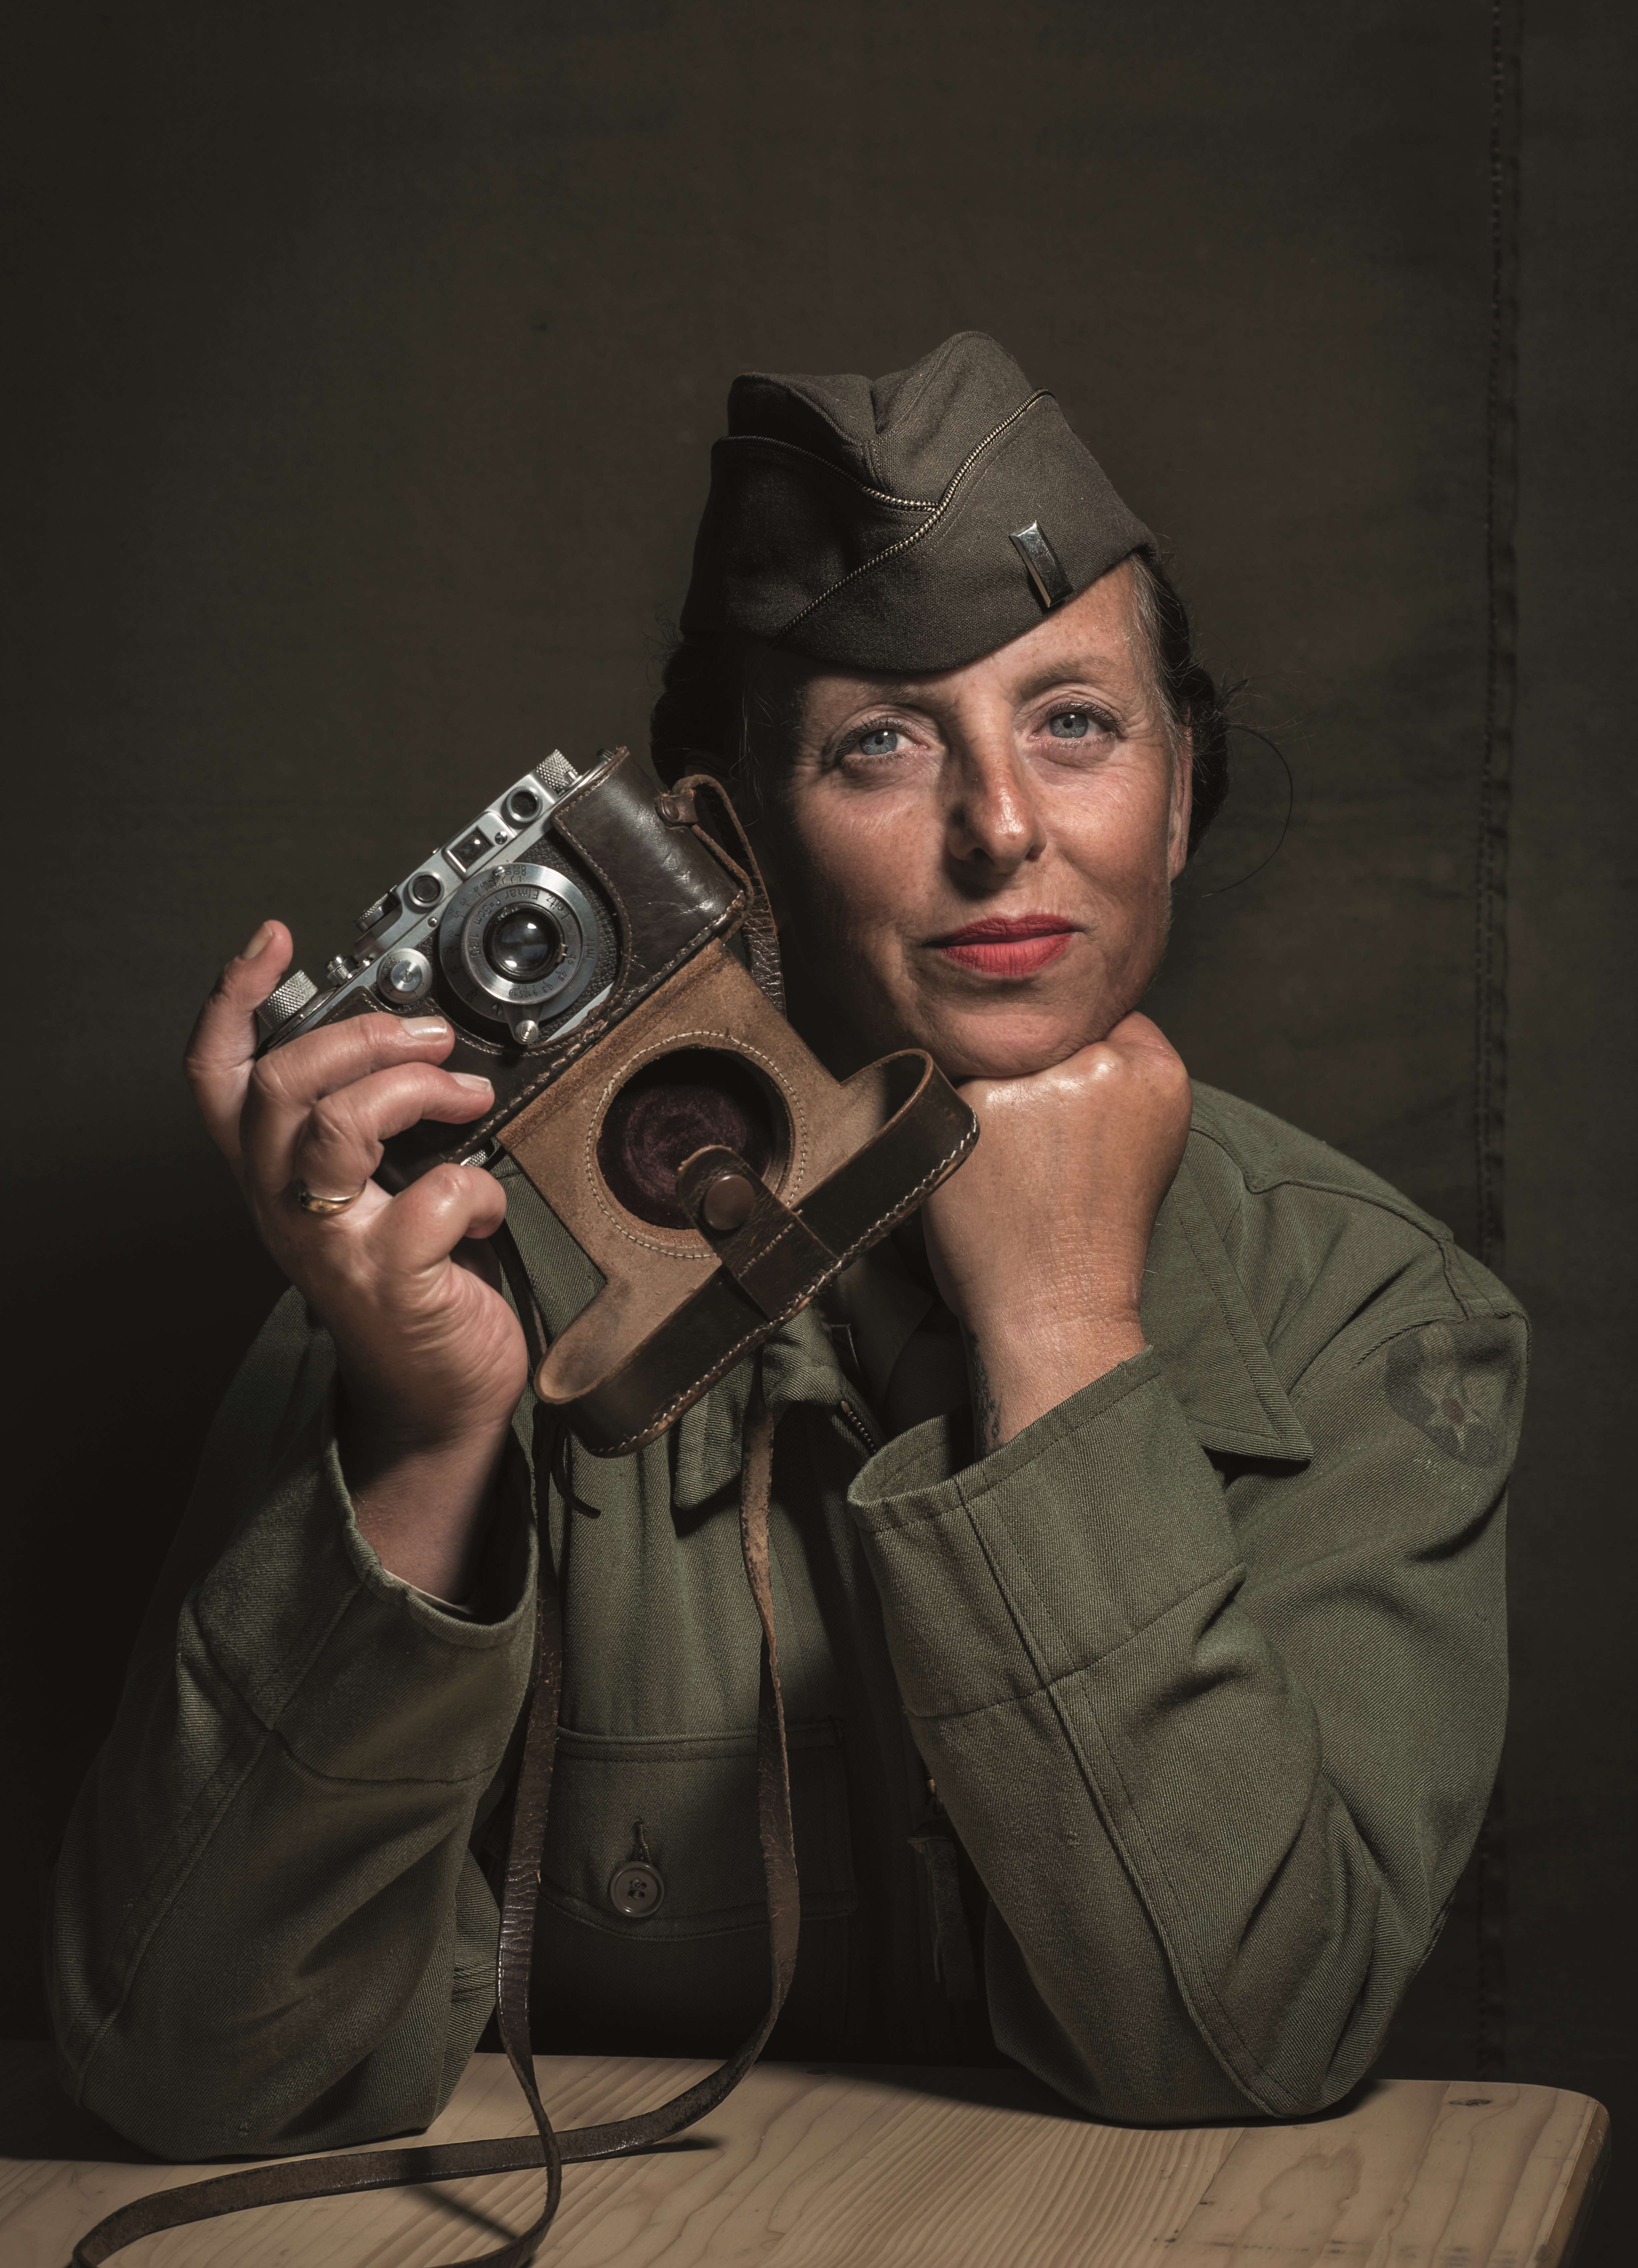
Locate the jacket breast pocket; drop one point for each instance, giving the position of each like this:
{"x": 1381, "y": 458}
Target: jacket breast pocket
{"x": 650, "y": 1936}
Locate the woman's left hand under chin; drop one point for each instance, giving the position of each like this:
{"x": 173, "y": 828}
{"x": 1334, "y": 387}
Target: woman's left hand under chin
{"x": 1038, "y": 1243}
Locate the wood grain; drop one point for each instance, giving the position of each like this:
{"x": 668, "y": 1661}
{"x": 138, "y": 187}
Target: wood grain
{"x": 805, "y": 2169}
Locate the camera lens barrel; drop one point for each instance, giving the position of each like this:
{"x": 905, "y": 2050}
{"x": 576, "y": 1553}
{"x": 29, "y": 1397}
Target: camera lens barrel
{"x": 519, "y": 940}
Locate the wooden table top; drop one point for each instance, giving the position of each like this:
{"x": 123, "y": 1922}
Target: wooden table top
{"x": 834, "y": 2168}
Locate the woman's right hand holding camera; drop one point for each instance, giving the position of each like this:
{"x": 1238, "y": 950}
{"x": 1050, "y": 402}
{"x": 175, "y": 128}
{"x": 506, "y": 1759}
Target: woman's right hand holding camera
{"x": 432, "y": 1358}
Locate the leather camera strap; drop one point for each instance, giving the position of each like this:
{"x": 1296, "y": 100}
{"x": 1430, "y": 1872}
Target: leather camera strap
{"x": 347, "y": 2172}
{"x": 681, "y": 806}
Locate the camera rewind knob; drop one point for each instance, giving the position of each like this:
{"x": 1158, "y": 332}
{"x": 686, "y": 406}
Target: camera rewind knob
{"x": 296, "y": 993}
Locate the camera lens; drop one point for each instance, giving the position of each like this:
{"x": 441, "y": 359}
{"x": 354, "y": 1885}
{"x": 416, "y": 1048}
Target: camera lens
{"x": 523, "y": 945}
{"x": 522, "y": 940}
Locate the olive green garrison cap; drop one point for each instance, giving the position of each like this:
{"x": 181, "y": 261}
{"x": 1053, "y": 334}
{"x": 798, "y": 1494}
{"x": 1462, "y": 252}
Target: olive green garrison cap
{"x": 907, "y": 523}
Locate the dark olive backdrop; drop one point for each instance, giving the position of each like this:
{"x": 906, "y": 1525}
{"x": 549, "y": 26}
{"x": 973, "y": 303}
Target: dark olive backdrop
{"x": 372, "y": 358}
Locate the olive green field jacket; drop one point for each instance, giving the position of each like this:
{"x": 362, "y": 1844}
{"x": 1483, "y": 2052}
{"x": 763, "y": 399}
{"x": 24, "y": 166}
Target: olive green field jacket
{"x": 1207, "y": 1664}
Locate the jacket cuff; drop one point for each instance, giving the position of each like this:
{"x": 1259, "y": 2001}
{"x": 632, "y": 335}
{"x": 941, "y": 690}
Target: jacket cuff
{"x": 357, "y": 1675}
{"x": 1038, "y": 1560}
{"x": 505, "y": 1579}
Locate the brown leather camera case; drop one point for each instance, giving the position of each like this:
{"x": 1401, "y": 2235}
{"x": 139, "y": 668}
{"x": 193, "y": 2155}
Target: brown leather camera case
{"x": 682, "y": 1304}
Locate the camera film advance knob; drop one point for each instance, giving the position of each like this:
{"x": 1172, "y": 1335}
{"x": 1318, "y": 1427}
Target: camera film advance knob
{"x": 404, "y": 976}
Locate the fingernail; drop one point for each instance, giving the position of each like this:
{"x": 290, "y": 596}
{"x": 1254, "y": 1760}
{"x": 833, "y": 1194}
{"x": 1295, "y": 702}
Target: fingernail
{"x": 424, "y": 1028}
{"x": 258, "y": 943}
{"x": 479, "y": 1085}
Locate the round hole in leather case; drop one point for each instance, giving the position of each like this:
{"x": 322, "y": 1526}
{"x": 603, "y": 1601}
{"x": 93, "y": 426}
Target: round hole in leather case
{"x": 678, "y": 1103}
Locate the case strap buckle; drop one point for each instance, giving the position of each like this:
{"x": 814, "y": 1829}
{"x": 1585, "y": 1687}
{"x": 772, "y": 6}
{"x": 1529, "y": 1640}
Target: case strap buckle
{"x": 769, "y": 1251}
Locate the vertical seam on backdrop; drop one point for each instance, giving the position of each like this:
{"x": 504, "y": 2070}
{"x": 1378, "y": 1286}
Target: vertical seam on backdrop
{"x": 1490, "y": 893}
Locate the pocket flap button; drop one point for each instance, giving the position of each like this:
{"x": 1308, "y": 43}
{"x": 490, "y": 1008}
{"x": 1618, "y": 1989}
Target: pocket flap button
{"x": 636, "y": 1890}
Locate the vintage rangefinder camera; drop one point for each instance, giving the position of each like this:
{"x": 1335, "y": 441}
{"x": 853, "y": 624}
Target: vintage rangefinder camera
{"x": 577, "y": 934}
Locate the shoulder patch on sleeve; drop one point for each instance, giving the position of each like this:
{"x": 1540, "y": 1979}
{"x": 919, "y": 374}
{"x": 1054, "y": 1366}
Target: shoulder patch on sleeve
{"x": 1450, "y": 1381}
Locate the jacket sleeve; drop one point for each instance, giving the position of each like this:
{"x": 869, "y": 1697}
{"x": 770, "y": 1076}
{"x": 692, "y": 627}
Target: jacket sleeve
{"x": 269, "y": 1932}
{"x": 1218, "y": 1742}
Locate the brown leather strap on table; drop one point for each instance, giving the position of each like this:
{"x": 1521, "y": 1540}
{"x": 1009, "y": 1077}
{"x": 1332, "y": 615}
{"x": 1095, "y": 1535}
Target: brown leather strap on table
{"x": 290, "y": 2180}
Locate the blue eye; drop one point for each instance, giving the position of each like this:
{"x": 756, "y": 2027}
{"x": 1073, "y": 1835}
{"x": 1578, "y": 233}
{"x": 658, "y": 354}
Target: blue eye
{"x": 1070, "y": 724}
{"x": 881, "y": 741}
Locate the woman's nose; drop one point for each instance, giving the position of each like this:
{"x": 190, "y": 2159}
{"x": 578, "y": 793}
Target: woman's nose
{"x": 992, "y": 818}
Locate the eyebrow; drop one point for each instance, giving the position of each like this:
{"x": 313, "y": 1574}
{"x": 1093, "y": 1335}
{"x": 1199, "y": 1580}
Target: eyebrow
{"x": 1088, "y": 668}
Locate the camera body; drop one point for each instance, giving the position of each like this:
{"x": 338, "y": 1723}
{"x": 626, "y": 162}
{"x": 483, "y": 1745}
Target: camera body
{"x": 576, "y": 935}
{"x": 533, "y": 930}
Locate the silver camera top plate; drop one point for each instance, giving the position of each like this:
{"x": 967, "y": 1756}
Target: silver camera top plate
{"x": 407, "y": 918}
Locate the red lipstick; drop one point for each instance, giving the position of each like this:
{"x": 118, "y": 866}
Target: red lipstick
{"x": 1020, "y": 944}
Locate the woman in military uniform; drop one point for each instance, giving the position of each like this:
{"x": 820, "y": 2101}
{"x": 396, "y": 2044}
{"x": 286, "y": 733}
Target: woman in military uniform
{"x": 1137, "y": 1510}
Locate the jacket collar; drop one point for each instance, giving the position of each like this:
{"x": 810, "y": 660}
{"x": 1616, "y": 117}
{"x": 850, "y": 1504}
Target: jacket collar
{"x": 1199, "y": 1323}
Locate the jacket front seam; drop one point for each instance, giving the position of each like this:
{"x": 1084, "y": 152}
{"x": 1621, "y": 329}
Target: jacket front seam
{"x": 126, "y": 1983}
{"x": 1193, "y": 1981}
{"x": 1046, "y": 1685}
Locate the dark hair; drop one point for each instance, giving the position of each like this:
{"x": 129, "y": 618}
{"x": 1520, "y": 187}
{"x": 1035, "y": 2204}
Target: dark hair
{"x": 1195, "y": 702}
{"x": 700, "y": 722}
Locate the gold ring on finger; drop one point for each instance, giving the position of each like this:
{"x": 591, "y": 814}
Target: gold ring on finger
{"x": 326, "y": 1207}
